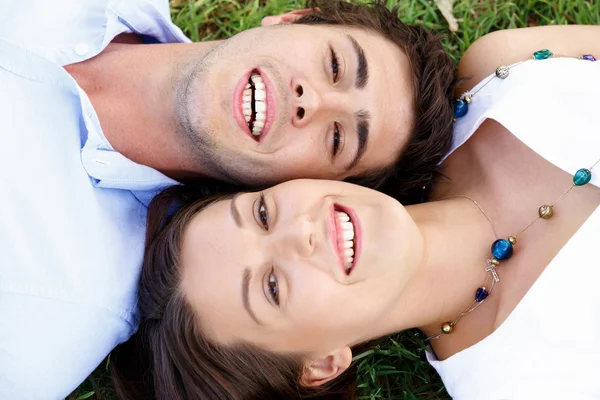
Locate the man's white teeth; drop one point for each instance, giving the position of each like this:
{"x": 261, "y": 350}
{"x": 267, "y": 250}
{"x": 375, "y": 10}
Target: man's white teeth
{"x": 345, "y": 238}
{"x": 247, "y": 113}
{"x": 260, "y": 105}
{"x": 260, "y": 95}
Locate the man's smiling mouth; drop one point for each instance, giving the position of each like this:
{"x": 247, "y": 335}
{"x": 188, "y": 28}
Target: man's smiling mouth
{"x": 254, "y": 104}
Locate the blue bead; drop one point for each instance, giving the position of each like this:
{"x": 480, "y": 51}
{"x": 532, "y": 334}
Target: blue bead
{"x": 502, "y": 249}
{"x": 582, "y": 177}
{"x": 460, "y": 108}
{"x": 542, "y": 54}
{"x": 588, "y": 57}
{"x": 481, "y": 294}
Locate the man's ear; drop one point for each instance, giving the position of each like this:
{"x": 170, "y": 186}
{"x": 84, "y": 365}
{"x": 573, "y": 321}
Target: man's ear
{"x": 322, "y": 370}
{"x": 286, "y": 18}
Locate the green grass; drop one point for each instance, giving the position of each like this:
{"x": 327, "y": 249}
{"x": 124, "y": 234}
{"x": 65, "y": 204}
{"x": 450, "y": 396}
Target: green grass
{"x": 397, "y": 368}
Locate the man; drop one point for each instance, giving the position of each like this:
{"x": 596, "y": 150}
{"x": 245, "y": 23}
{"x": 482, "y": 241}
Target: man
{"x": 105, "y": 103}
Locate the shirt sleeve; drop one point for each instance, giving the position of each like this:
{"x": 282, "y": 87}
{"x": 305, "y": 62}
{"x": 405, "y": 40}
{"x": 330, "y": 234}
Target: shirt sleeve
{"x": 48, "y": 347}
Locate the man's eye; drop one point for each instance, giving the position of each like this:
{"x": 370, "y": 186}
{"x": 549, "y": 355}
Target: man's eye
{"x": 273, "y": 286}
{"x": 263, "y": 214}
{"x": 335, "y": 69}
{"x": 336, "y": 139}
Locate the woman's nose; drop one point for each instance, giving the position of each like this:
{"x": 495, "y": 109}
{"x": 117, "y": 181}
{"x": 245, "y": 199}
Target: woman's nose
{"x": 298, "y": 238}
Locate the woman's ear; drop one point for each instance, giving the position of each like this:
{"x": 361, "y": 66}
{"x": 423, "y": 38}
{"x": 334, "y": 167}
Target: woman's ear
{"x": 322, "y": 370}
{"x": 286, "y": 18}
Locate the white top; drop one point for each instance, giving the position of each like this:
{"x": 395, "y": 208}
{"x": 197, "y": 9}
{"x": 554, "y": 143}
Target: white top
{"x": 546, "y": 348}
{"x": 72, "y": 209}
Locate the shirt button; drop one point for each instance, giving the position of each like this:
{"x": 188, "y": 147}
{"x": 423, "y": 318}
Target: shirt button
{"x": 81, "y": 49}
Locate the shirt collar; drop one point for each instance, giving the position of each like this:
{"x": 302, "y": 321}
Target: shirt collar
{"x": 106, "y": 167}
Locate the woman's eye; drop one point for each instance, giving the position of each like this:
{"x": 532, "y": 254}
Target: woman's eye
{"x": 336, "y": 139}
{"x": 273, "y": 288}
{"x": 263, "y": 214}
{"x": 335, "y": 68}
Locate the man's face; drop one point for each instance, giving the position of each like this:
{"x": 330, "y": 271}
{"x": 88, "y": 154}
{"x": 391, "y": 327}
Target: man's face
{"x": 289, "y": 101}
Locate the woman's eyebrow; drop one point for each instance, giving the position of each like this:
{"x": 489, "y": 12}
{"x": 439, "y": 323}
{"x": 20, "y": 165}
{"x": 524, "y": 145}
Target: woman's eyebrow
{"x": 235, "y": 213}
{"x": 246, "y": 294}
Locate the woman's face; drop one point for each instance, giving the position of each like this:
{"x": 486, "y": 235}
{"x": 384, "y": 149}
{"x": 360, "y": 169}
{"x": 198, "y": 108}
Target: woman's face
{"x": 306, "y": 266}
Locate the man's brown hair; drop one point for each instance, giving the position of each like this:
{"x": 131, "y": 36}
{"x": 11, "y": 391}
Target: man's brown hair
{"x": 433, "y": 82}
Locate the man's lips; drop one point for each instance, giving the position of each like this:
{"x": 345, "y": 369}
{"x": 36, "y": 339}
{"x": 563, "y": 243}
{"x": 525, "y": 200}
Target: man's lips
{"x": 238, "y": 112}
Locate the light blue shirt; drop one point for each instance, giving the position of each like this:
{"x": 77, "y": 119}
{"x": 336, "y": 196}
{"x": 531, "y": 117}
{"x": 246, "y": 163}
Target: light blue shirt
{"x": 72, "y": 209}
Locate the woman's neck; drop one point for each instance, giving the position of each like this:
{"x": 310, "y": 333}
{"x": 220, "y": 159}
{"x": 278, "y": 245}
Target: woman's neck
{"x": 457, "y": 237}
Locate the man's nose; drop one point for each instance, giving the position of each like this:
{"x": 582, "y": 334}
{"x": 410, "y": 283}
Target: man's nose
{"x": 312, "y": 102}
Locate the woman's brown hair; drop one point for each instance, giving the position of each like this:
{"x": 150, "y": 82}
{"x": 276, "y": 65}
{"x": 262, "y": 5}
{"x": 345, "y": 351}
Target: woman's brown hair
{"x": 169, "y": 358}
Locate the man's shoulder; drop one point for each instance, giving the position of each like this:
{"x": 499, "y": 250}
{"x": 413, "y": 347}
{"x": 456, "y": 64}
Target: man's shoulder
{"x": 67, "y": 31}
{"x": 48, "y": 27}
{"x": 47, "y": 347}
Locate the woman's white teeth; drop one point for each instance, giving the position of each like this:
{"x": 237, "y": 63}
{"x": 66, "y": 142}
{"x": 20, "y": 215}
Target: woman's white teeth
{"x": 343, "y": 217}
{"x": 348, "y": 234}
{"x": 260, "y": 105}
{"x": 345, "y": 238}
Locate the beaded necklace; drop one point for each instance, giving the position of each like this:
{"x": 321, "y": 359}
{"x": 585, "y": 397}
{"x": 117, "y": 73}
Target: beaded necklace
{"x": 502, "y": 249}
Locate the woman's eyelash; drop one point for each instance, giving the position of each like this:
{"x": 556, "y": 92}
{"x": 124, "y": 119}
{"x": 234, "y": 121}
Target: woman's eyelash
{"x": 273, "y": 286}
{"x": 335, "y": 67}
{"x": 262, "y": 212}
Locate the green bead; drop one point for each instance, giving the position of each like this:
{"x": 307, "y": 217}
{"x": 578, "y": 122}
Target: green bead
{"x": 582, "y": 177}
{"x": 542, "y": 54}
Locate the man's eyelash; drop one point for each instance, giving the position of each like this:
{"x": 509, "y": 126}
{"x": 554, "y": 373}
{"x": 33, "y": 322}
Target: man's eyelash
{"x": 335, "y": 66}
{"x": 336, "y": 139}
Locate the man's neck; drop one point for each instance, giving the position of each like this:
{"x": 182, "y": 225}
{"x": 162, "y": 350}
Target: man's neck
{"x": 133, "y": 88}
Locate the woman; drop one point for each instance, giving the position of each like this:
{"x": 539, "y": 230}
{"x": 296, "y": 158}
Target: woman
{"x": 269, "y": 294}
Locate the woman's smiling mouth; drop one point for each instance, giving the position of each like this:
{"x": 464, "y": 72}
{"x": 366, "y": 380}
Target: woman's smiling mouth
{"x": 346, "y": 233}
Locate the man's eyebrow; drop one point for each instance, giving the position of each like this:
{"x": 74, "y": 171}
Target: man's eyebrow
{"x": 246, "y": 294}
{"x": 362, "y": 71}
{"x": 235, "y": 212}
{"x": 362, "y": 118}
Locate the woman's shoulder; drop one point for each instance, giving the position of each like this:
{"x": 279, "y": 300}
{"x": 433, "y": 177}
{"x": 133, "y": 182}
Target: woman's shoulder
{"x": 506, "y": 47}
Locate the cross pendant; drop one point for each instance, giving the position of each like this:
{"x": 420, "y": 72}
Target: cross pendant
{"x": 491, "y": 267}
